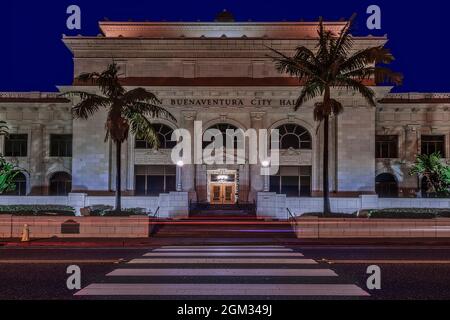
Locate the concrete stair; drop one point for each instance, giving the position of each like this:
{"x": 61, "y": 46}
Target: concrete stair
{"x": 222, "y": 227}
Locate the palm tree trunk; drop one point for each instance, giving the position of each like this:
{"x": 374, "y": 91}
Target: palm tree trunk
{"x": 326, "y": 129}
{"x": 326, "y": 192}
{"x": 118, "y": 177}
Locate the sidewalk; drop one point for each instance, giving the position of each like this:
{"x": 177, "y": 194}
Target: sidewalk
{"x": 152, "y": 242}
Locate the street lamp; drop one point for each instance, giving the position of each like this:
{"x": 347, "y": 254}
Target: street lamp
{"x": 265, "y": 164}
{"x": 180, "y": 165}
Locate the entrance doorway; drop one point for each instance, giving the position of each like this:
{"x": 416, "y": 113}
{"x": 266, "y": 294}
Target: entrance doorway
{"x": 222, "y": 193}
{"x": 222, "y": 187}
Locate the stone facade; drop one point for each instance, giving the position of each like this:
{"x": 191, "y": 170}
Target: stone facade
{"x": 219, "y": 73}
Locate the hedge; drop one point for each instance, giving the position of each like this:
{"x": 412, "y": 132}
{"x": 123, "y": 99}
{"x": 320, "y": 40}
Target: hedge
{"x": 37, "y": 210}
{"x": 330, "y": 216}
{"x": 393, "y": 213}
{"x": 408, "y": 213}
{"x": 108, "y": 211}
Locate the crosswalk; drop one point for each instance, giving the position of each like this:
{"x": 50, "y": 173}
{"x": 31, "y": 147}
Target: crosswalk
{"x": 214, "y": 272}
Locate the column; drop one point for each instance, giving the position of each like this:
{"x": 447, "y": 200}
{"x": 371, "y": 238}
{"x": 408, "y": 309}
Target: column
{"x": 256, "y": 179}
{"x": 187, "y": 172}
{"x": 408, "y": 186}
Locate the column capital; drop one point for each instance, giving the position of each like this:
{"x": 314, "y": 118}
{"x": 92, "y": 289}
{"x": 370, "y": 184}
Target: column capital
{"x": 412, "y": 127}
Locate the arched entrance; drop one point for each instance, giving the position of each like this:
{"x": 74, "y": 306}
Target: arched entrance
{"x": 386, "y": 186}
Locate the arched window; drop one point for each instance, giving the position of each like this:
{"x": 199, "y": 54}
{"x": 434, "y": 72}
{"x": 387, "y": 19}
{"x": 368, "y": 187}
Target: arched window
{"x": 386, "y": 186}
{"x": 295, "y": 137}
{"x": 60, "y": 184}
{"x": 222, "y": 127}
{"x": 21, "y": 186}
{"x": 164, "y": 134}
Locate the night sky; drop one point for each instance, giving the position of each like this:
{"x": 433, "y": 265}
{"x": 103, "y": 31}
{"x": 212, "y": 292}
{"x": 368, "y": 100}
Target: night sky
{"x": 34, "y": 58}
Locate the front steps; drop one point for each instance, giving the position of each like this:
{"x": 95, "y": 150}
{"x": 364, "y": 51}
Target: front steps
{"x": 231, "y": 227}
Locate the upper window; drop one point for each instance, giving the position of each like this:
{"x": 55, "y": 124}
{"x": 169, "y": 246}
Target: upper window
{"x": 432, "y": 144}
{"x": 293, "y": 136}
{"x": 164, "y": 134}
{"x": 223, "y": 128}
{"x": 61, "y": 145}
{"x": 16, "y": 145}
{"x": 386, "y": 147}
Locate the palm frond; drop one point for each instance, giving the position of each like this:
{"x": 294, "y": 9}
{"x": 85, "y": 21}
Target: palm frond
{"x": 4, "y": 128}
{"x": 298, "y": 67}
{"x": 358, "y": 86}
{"x": 140, "y": 95}
{"x": 311, "y": 90}
{"x": 344, "y": 43}
{"x": 90, "y": 103}
{"x": 147, "y": 109}
{"x": 379, "y": 74}
{"x": 143, "y": 129}
{"x": 367, "y": 57}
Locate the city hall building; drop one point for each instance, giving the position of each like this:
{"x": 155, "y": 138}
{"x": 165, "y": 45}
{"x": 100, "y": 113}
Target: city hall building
{"x": 219, "y": 73}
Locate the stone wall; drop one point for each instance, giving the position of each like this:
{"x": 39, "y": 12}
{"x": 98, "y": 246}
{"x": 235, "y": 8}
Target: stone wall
{"x": 314, "y": 228}
{"x": 273, "y": 205}
{"x": 172, "y": 205}
{"x": 88, "y": 227}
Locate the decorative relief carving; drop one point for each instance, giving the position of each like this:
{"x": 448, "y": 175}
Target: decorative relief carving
{"x": 296, "y": 157}
{"x": 152, "y": 156}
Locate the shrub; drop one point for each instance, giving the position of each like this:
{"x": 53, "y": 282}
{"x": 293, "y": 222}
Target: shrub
{"x": 330, "y": 216}
{"x": 108, "y": 211}
{"x": 37, "y": 210}
{"x": 407, "y": 213}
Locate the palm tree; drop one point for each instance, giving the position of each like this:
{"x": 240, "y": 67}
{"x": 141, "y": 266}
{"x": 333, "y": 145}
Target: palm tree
{"x": 435, "y": 172}
{"x": 127, "y": 111}
{"x": 8, "y": 171}
{"x": 3, "y": 128}
{"x": 335, "y": 64}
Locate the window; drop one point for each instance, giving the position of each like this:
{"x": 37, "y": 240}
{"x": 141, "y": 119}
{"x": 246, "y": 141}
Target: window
{"x": 294, "y": 137}
{"x": 153, "y": 180}
{"x": 21, "y": 186}
{"x": 386, "y": 186}
{"x": 164, "y": 134}
{"x": 223, "y": 127}
{"x": 432, "y": 144}
{"x": 386, "y": 147}
{"x": 16, "y": 145}
{"x": 61, "y": 145}
{"x": 60, "y": 184}
{"x": 292, "y": 181}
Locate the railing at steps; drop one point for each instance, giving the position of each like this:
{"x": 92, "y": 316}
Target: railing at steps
{"x": 290, "y": 217}
{"x": 155, "y": 215}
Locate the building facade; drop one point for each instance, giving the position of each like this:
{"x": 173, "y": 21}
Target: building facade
{"x": 220, "y": 73}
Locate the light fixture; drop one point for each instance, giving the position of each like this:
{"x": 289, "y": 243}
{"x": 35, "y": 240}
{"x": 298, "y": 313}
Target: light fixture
{"x": 180, "y": 163}
{"x": 265, "y": 163}
{"x": 222, "y": 177}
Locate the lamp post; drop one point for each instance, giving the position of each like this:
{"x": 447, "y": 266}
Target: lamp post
{"x": 180, "y": 165}
{"x": 265, "y": 164}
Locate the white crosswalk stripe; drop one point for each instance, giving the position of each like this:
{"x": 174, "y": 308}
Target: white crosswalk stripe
{"x": 226, "y": 250}
{"x": 222, "y": 254}
{"x": 256, "y": 271}
{"x": 225, "y": 272}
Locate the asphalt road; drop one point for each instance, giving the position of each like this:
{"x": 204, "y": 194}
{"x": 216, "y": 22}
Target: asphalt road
{"x": 406, "y": 272}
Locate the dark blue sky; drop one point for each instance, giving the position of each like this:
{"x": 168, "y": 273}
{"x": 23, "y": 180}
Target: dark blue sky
{"x": 34, "y": 58}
